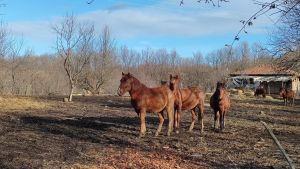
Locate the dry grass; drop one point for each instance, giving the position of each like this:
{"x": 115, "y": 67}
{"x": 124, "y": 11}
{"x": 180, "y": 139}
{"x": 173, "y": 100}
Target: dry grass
{"x": 101, "y": 132}
{"x": 21, "y": 103}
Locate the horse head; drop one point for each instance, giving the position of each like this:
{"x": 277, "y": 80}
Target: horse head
{"x": 282, "y": 91}
{"x": 174, "y": 81}
{"x": 125, "y": 83}
{"x": 220, "y": 90}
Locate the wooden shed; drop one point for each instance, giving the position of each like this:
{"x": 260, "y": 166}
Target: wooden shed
{"x": 269, "y": 75}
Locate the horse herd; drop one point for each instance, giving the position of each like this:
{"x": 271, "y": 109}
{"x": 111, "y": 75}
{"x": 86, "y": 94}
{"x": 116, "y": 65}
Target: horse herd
{"x": 287, "y": 94}
{"x": 171, "y": 98}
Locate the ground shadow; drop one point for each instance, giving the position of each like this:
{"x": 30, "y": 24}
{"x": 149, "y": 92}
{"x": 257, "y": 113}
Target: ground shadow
{"x": 92, "y": 129}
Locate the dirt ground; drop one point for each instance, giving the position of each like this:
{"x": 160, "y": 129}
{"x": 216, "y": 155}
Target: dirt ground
{"x": 101, "y": 132}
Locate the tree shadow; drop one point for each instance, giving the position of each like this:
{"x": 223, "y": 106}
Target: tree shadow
{"x": 105, "y": 130}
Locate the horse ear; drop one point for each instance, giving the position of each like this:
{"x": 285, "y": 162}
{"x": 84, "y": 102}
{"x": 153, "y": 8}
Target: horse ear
{"x": 129, "y": 74}
{"x": 123, "y": 73}
{"x": 170, "y": 76}
{"x": 177, "y": 77}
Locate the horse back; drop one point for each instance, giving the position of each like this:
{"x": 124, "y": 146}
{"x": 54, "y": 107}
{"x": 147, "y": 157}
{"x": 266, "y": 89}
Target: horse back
{"x": 290, "y": 93}
{"x": 191, "y": 97}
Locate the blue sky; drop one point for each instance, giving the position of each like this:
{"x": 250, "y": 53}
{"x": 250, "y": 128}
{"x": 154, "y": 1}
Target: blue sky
{"x": 139, "y": 24}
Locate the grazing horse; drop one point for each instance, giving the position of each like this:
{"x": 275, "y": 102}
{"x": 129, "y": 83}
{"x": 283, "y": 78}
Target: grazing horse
{"x": 152, "y": 100}
{"x": 220, "y": 103}
{"x": 260, "y": 90}
{"x": 287, "y": 95}
{"x": 187, "y": 99}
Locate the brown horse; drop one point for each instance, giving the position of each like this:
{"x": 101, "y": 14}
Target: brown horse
{"x": 144, "y": 99}
{"x": 260, "y": 90}
{"x": 187, "y": 99}
{"x": 220, "y": 103}
{"x": 287, "y": 95}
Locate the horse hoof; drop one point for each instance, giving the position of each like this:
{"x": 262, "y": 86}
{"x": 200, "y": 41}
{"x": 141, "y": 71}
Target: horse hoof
{"x": 141, "y": 135}
{"x": 156, "y": 134}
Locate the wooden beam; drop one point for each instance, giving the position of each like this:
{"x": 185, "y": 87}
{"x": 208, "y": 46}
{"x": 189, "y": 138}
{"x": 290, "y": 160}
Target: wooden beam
{"x": 279, "y": 145}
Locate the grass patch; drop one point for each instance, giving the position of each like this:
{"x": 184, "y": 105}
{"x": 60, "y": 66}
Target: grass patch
{"x": 17, "y": 103}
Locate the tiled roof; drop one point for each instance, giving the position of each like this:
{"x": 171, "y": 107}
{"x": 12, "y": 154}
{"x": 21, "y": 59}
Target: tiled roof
{"x": 265, "y": 70}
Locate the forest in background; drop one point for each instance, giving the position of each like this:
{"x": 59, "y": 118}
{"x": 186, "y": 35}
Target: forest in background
{"x": 89, "y": 61}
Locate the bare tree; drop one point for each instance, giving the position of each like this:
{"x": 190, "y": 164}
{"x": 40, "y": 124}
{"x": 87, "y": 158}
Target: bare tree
{"x": 73, "y": 37}
{"x": 126, "y": 57}
{"x": 4, "y": 40}
{"x": 102, "y": 63}
{"x": 15, "y": 61}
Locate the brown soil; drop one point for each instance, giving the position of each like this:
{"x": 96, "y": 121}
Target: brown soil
{"x": 101, "y": 132}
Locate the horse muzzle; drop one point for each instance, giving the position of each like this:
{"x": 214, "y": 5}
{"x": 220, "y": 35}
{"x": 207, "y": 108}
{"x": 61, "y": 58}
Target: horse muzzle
{"x": 120, "y": 92}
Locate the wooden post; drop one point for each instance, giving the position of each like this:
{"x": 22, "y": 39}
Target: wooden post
{"x": 279, "y": 146}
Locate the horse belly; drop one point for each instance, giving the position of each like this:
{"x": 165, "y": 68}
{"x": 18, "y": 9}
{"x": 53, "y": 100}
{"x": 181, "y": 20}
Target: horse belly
{"x": 189, "y": 104}
{"x": 155, "y": 105}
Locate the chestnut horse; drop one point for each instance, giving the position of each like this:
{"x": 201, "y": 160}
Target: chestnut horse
{"x": 220, "y": 103}
{"x": 144, "y": 99}
{"x": 187, "y": 99}
{"x": 287, "y": 95}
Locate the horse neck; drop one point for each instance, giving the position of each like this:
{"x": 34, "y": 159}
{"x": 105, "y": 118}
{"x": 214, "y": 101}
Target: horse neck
{"x": 284, "y": 92}
{"x": 136, "y": 86}
{"x": 218, "y": 92}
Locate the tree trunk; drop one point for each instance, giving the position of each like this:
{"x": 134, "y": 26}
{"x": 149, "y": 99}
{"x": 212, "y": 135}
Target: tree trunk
{"x": 71, "y": 92}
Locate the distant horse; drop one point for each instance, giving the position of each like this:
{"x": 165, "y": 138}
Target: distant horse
{"x": 287, "y": 95}
{"x": 260, "y": 90}
{"x": 187, "y": 99}
{"x": 220, "y": 103}
{"x": 152, "y": 100}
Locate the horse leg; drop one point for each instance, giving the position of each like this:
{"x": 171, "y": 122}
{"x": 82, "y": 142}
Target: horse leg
{"x": 143, "y": 123}
{"x": 201, "y": 116}
{"x": 223, "y": 121}
{"x": 161, "y": 122}
{"x": 193, "y": 119}
{"x": 285, "y": 102}
{"x": 176, "y": 120}
{"x": 216, "y": 119}
{"x": 170, "y": 111}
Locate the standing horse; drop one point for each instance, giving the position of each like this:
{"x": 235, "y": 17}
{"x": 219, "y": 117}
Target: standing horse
{"x": 260, "y": 90}
{"x": 288, "y": 95}
{"x": 220, "y": 103}
{"x": 144, "y": 99}
{"x": 187, "y": 99}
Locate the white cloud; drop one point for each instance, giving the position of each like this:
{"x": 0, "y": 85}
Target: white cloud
{"x": 160, "y": 20}
{"x": 176, "y": 21}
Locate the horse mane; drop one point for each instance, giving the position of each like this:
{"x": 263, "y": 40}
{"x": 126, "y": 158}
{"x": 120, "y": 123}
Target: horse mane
{"x": 136, "y": 84}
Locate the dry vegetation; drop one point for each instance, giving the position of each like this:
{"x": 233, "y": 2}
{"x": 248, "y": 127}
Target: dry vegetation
{"x": 101, "y": 132}
{"x": 21, "y": 103}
